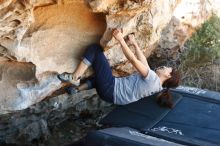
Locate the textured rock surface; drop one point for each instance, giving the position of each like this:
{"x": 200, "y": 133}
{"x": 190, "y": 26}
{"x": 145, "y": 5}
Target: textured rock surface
{"x": 52, "y": 35}
{"x": 19, "y": 87}
{"x": 11, "y": 74}
{"x": 44, "y": 32}
{"x": 40, "y": 124}
{"x": 56, "y": 32}
{"x": 187, "y": 17}
{"x": 161, "y": 26}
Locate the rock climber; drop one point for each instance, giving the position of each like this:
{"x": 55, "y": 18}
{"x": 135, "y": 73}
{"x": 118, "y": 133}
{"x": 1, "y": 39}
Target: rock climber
{"x": 123, "y": 90}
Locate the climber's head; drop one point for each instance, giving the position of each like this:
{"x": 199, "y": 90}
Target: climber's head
{"x": 170, "y": 76}
{"x": 171, "y": 79}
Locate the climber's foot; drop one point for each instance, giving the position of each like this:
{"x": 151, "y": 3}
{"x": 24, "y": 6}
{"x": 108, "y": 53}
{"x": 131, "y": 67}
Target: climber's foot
{"x": 68, "y": 77}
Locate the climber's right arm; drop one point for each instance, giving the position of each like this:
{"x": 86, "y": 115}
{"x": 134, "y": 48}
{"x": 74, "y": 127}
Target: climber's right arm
{"x": 139, "y": 53}
{"x": 141, "y": 67}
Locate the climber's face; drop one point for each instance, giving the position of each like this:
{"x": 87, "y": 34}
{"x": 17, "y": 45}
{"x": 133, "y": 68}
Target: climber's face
{"x": 164, "y": 71}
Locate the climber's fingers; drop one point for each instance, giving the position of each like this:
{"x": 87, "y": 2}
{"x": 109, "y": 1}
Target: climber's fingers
{"x": 117, "y": 34}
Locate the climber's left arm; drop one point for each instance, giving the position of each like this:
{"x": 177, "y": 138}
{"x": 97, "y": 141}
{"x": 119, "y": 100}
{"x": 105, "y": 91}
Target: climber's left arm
{"x": 141, "y": 67}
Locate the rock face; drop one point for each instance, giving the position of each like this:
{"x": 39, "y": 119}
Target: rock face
{"x": 40, "y": 38}
{"x": 48, "y": 34}
{"x": 19, "y": 87}
{"x": 162, "y": 26}
{"x": 11, "y": 74}
{"x": 37, "y": 125}
{"x": 52, "y": 35}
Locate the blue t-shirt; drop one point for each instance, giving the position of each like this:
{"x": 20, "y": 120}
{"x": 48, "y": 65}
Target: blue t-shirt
{"x": 134, "y": 87}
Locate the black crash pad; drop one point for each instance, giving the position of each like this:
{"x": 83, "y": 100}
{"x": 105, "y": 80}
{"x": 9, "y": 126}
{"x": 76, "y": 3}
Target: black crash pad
{"x": 140, "y": 115}
{"x": 194, "y": 120}
{"x": 123, "y": 136}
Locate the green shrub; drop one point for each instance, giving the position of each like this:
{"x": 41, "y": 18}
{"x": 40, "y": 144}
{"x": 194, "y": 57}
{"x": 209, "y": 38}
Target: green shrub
{"x": 204, "y": 45}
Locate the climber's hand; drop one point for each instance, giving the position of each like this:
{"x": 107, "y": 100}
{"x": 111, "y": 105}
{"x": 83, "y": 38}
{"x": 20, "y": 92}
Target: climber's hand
{"x": 131, "y": 39}
{"x": 117, "y": 33}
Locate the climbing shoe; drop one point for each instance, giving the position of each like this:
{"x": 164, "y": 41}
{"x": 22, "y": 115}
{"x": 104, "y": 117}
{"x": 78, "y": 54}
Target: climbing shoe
{"x": 68, "y": 77}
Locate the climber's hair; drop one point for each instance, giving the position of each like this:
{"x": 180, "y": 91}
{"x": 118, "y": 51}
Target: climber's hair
{"x": 164, "y": 99}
